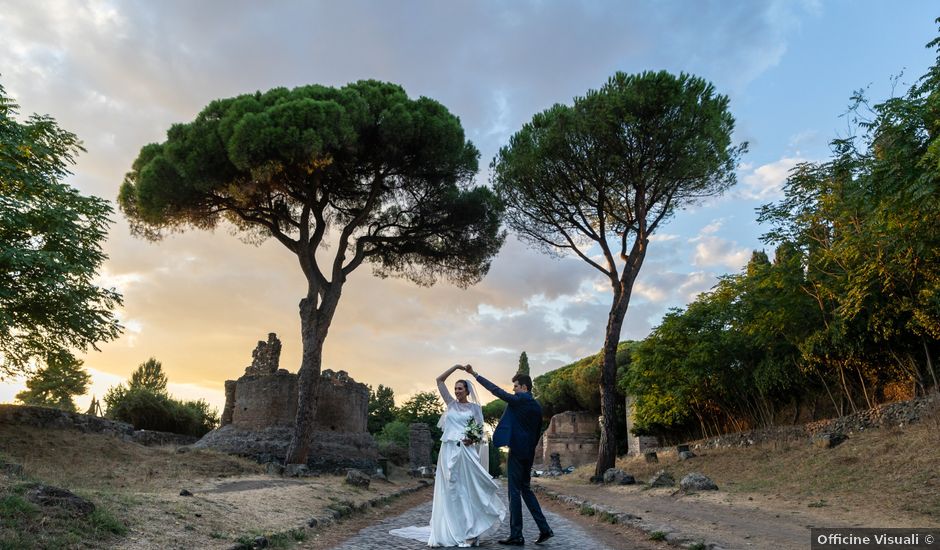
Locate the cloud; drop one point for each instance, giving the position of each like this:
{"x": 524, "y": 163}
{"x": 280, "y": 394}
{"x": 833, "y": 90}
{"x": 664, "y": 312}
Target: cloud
{"x": 715, "y": 251}
{"x": 766, "y": 181}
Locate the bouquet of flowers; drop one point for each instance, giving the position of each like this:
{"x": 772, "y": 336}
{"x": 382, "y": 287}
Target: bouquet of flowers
{"x": 474, "y": 431}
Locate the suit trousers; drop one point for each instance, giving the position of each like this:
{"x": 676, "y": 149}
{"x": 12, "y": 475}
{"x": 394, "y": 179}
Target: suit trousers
{"x": 520, "y": 473}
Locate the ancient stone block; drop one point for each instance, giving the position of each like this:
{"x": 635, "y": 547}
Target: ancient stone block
{"x": 419, "y": 446}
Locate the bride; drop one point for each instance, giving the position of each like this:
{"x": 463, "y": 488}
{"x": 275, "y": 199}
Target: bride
{"x": 466, "y": 499}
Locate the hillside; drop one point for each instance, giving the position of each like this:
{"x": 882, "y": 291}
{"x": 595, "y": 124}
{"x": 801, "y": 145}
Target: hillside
{"x": 136, "y": 491}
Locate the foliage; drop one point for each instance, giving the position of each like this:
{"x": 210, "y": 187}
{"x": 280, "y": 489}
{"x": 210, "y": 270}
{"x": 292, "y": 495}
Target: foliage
{"x": 495, "y": 464}
{"x": 387, "y": 177}
{"x": 574, "y": 387}
{"x": 381, "y": 408}
{"x": 56, "y": 383}
{"x": 147, "y": 409}
{"x": 424, "y": 406}
{"x": 523, "y": 364}
{"x": 397, "y": 432}
{"x": 145, "y": 404}
{"x": 50, "y": 248}
{"x": 149, "y": 375}
{"x": 493, "y": 411}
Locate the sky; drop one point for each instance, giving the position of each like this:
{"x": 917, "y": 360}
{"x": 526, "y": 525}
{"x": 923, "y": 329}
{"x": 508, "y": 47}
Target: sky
{"x": 118, "y": 74}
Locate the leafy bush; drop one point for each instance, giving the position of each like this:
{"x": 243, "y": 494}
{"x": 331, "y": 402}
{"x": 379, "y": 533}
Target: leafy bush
{"x": 395, "y": 453}
{"x": 396, "y": 432}
{"x": 147, "y": 409}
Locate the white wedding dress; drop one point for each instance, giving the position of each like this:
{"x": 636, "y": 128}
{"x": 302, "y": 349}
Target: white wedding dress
{"x": 466, "y": 503}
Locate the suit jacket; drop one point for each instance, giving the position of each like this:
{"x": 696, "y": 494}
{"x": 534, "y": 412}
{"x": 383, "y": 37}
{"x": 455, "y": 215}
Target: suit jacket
{"x": 521, "y": 423}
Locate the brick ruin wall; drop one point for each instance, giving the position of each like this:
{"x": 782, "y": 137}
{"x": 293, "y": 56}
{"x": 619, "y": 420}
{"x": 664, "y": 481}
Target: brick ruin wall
{"x": 266, "y": 396}
{"x": 573, "y": 435}
{"x": 262, "y": 401}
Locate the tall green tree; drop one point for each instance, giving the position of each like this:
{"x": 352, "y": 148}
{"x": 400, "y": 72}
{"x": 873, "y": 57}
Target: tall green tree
{"x": 148, "y": 378}
{"x": 149, "y": 375}
{"x": 381, "y": 408}
{"x": 50, "y": 248}
{"x": 601, "y": 176}
{"x": 56, "y": 383}
{"x": 523, "y": 364}
{"x": 424, "y": 406}
{"x": 387, "y": 176}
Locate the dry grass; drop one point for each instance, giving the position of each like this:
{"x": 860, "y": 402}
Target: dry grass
{"x": 139, "y": 486}
{"x": 893, "y": 470}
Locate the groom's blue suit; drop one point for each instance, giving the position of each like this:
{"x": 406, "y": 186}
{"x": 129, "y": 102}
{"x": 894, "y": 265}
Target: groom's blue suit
{"x": 519, "y": 429}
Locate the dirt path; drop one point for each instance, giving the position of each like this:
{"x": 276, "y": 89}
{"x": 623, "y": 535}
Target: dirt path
{"x": 727, "y": 520}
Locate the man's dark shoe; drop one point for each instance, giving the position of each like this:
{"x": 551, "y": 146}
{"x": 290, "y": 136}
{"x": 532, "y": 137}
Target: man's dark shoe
{"x": 544, "y": 537}
{"x": 512, "y": 542}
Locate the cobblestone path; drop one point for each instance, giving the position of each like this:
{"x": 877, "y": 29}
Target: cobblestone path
{"x": 567, "y": 534}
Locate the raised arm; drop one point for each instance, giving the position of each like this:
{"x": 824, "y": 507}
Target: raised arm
{"x": 442, "y": 388}
{"x": 494, "y": 389}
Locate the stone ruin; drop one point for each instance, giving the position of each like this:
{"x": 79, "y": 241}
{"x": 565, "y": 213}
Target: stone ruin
{"x": 573, "y": 436}
{"x": 420, "y": 444}
{"x": 260, "y": 408}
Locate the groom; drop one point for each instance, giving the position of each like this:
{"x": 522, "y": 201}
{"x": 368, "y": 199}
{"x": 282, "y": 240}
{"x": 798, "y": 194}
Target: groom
{"x": 519, "y": 429}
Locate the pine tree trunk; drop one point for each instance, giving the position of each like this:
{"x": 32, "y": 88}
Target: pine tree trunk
{"x": 314, "y": 325}
{"x": 607, "y": 449}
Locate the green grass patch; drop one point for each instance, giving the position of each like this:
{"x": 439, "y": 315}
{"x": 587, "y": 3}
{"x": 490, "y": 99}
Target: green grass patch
{"x": 27, "y": 525}
{"x": 657, "y": 535}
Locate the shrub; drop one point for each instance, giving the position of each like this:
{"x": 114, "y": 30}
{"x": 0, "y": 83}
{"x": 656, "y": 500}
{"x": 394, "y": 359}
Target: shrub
{"x": 395, "y": 432}
{"x": 147, "y": 409}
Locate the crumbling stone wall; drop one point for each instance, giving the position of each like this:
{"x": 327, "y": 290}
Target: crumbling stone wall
{"x": 343, "y": 404}
{"x": 261, "y": 406}
{"x": 574, "y": 436}
{"x": 261, "y": 401}
{"x": 266, "y": 357}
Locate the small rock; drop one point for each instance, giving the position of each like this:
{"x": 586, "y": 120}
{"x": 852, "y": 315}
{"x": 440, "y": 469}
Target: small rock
{"x": 662, "y": 479}
{"x": 261, "y": 542}
{"x": 357, "y": 478}
{"x": 183, "y": 449}
{"x": 685, "y": 455}
{"x": 313, "y": 523}
{"x": 618, "y": 476}
{"x": 47, "y": 496}
{"x": 185, "y": 493}
{"x": 828, "y": 440}
{"x": 697, "y": 482}
{"x": 296, "y": 470}
{"x": 274, "y": 468}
